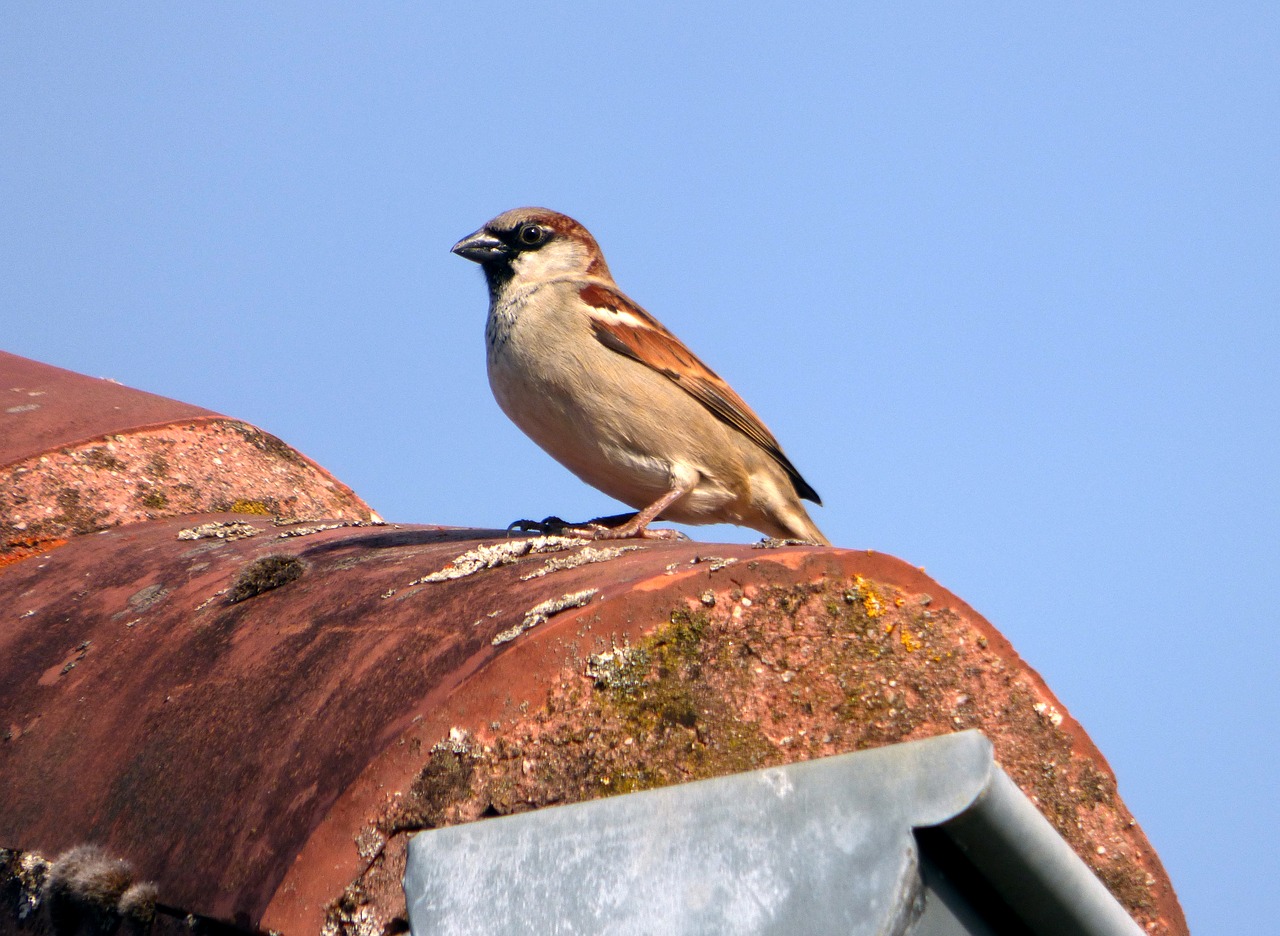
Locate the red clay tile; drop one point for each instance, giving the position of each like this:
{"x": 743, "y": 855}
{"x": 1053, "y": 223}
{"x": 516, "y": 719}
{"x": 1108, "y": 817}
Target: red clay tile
{"x": 263, "y": 761}
{"x": 78, "y": 455}
{"x": 256, "y": 713}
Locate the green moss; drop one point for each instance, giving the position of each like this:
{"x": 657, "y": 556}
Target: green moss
{"x": 682, "y": 638}
{"x": 153, "y": 499}
{"x": 445, "y": 779}
{"x": 1128, "y": 882}
{"x": 100, "y": 457}
{"x": 76, "y": 515}
{"x": 265, "y": 442}
{"x": 822, "y": 667}
{"x": 1096, "y": 787}
{"x": 262, "y": 575}
{"x": 685, "y": 729}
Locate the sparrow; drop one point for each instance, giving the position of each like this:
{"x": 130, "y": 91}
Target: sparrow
{"x": 615, "y": 397}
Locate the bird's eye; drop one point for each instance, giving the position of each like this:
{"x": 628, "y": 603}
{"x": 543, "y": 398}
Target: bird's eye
{"x": 532, "y": 234}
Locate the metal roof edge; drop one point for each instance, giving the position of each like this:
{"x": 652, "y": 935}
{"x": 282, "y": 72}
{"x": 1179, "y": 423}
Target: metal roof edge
{"x": 824, "y": 845}
{"x": 1013, "y": 846}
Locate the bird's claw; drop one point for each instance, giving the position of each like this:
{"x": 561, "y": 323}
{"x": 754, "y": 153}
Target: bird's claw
{"x": 548, "y": 527}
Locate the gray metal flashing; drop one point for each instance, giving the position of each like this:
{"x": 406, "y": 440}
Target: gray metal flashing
{"x": 825, "y": 846}
{"x": 1043, "y": 881}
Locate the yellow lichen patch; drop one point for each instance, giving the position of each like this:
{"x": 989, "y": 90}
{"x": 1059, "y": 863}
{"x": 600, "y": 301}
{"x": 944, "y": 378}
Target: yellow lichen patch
{"x": 865, "y": 592}
{"x": 243, "y": 506}
{"x": 802, "y": 671}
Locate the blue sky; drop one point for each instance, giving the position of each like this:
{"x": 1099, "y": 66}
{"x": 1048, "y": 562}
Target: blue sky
{"x": 1002, "y": 278}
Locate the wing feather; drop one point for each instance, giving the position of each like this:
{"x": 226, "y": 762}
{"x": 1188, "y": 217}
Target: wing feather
{"x": 626, "y": 328}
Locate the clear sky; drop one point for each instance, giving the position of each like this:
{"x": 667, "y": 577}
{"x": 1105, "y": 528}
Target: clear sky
{"x": 1002, "y": 278}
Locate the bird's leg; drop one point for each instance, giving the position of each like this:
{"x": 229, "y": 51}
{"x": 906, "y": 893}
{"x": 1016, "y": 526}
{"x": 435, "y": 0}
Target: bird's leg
{"x": 638, "y": 525}
{"x": 612, "y": 520}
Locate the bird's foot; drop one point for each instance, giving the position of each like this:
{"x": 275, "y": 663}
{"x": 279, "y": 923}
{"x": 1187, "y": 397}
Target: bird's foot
{"x": 599, "y": 531}
{"x": 622, "y": 526}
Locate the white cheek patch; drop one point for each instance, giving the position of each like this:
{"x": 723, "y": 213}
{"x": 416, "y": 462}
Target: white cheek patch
{"x": 527, "y": 265}
{"x": 554, "y": 259}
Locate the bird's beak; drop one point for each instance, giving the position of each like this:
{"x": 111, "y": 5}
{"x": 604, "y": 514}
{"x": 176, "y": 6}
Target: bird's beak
{"x": 480, "y": 247}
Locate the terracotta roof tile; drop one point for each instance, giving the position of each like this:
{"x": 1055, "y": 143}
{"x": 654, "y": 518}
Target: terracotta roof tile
{"x": 80, "y": 455}
{"x": 260, "y": 758}
{"x": 255, "y": 712}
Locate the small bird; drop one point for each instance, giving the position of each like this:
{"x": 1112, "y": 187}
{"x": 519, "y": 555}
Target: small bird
{"x": 617, "y": 399}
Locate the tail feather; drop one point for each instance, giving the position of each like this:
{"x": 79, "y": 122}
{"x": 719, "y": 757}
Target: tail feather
{"x": 802, "y": 528}
{"x": 791, "y": 521}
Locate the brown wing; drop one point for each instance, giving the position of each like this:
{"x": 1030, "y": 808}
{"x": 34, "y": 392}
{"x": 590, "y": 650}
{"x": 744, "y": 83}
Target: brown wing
{"x": 628, "y": 329}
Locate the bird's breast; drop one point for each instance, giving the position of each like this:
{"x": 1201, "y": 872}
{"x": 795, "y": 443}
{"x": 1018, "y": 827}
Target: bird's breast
{"x": 617, "y": 424}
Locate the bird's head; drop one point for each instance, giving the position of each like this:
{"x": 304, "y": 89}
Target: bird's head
{"x": 531, "y": 245}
